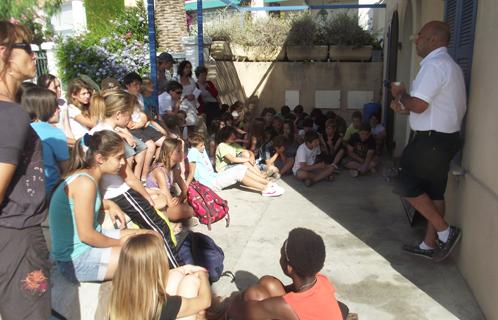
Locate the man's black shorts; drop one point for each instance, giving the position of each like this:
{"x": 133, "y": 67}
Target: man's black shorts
{"x": 425, "y": 164}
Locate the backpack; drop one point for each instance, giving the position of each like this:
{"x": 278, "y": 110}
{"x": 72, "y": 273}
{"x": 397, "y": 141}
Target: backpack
{"x": 208, "y": 206}
{"x": 199, "y": 249}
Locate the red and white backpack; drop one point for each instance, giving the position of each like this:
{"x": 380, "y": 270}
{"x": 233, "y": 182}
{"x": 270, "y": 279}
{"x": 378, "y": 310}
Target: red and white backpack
{"x": 208, "y": 206}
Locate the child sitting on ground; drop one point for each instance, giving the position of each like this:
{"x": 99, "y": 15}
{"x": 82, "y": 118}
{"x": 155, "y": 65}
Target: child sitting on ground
{"x": 281, "y": 158}
{"x": 82, "y": 250}
{"x": 305, "y": 168}
{"x": 41, "y": 105}
{"x": 331, "y": 144}
{"x": 216, "y": 126}
{"x": 229, "y": 153}
{"x": 266, "y": 155}
{"x": 152, "y": 136}
{"x": 165, "y": 174}
{"x": 156, "y": 292}
{"x": 309, "y": 296}
{"x": 308, "y": 126}
{"x": 354, "y": 127}
{"x": 202, "y": 170}
{"x": 361, "y": 152}
{"x": 378, "y": 132}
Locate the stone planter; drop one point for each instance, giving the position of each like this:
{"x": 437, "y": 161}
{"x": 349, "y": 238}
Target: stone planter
{"x": 307, "y": 53}
{"x": 263, "y": 53}
{"x": 220, "y": 50}
{"x": 238, "y": 52}
{"x": 350, "y": 53}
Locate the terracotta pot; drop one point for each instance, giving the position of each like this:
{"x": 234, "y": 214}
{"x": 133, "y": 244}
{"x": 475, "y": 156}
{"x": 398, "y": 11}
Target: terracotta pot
{"x": 307, "y": 53}
{"x": 350, "y": 53}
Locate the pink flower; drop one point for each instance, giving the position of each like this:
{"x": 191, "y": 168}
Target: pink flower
{"x": 128, "y": 35}
{"x": 14, "y": 20}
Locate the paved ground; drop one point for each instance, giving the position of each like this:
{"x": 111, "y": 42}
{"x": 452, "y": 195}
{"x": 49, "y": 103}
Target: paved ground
{"x": 363, "y": 225}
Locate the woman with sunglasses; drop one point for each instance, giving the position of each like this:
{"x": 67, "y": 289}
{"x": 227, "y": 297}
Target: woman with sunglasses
{"x": 24, "y": 266}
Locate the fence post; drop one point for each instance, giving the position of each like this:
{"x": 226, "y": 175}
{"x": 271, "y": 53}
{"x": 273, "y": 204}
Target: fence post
{"x": 49, "y": 48}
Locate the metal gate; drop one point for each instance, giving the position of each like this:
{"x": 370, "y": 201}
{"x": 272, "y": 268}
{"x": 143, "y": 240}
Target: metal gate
{"x": 41, "y": 63}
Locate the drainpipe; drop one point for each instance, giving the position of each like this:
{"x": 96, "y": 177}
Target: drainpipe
{"x": 152, "y": 51}
{"x": 200, "y": 35}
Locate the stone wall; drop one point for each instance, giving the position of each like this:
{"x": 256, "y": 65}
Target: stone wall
{"x": 341, "y": 86}
{"x": 171, "y": 24}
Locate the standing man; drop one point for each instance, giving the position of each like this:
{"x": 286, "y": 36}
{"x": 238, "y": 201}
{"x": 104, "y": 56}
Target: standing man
{"x": 437, "y": 104}
{"x": 165, "y": 63}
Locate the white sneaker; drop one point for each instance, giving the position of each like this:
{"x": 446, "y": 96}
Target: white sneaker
{"x": 276, "y": 186}
{"x": 271, "y": 191}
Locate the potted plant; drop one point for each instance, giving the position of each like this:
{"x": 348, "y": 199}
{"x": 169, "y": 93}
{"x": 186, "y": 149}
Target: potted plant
{"x": 347, "y": 39}
{"x": 265, "y": 38}
{"x": 303, "y": 38}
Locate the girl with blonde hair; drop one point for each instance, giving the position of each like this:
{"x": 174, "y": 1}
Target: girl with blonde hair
{"x": 165, "y": 174}
{"x": 113, "y": 109}
{"x": 144, "y": 288}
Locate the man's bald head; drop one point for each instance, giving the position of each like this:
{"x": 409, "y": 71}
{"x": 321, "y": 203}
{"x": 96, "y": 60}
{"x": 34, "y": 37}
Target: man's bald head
{"x": 440, "y": 30}
{"x": 433, "y": 35}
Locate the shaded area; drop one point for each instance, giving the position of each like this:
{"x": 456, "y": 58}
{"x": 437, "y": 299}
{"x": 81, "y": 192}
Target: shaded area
{"x": 366, "y": 207}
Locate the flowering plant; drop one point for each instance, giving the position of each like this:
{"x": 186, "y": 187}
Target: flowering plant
{"x": 122, "y": 48}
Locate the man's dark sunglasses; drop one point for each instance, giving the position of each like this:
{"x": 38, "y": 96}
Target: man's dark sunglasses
{"x": 25, "y": 46}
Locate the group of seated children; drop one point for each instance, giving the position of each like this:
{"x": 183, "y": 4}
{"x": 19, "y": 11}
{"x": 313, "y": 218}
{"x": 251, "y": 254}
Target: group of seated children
{"x": 96, "y": 176}
{"x": 312, "y": 148}
{"x": 127, "y": 163}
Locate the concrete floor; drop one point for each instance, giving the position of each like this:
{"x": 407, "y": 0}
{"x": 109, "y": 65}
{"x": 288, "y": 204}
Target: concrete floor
{"x": 363, "y": 225}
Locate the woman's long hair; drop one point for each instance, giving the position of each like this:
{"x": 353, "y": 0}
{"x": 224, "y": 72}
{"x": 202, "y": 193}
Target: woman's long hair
{"x": 139, "y": 284}
{"x": 105, "y": 142}
{"x": 169, "y": 145}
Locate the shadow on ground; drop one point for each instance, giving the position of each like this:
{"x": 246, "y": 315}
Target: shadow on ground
{"x": 368, "y": 209}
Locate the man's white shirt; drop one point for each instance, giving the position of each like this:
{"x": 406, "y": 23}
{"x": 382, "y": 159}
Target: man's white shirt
{"x": 441, "y": 84}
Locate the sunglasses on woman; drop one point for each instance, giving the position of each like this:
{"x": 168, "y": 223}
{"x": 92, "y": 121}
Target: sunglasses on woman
{"x": 24, "y": 46}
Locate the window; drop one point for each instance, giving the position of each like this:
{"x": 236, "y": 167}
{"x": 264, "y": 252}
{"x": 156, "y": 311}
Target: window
{"x": 461, "y": 16}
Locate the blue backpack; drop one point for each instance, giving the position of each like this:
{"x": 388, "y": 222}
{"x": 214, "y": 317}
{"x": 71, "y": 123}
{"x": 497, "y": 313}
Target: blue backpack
{"x": 199, "y": 249}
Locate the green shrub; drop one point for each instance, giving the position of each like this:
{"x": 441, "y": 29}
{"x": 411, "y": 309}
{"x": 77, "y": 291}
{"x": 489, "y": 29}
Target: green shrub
{"x": 343, "y": 29}
{"x": 303, "y": 31}
{"x": 123, "y": 48}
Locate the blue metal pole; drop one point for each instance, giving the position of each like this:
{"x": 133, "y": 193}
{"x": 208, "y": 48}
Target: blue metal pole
{"x": 152, "y": 51}
{"x": 200, "y": 35}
